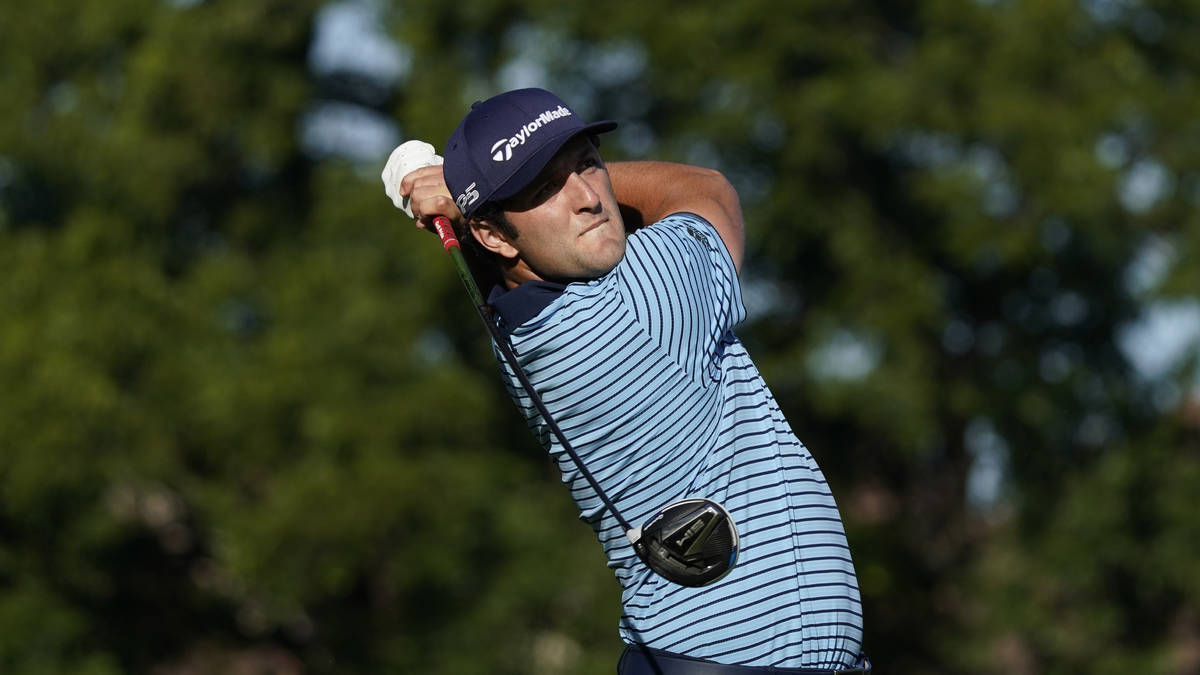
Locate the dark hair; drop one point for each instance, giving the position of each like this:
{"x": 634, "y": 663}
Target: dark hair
{"x": 485, "y": 265}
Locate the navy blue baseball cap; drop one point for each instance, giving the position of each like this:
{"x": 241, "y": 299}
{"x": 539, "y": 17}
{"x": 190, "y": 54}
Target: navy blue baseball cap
{"x": 504, "y": 143}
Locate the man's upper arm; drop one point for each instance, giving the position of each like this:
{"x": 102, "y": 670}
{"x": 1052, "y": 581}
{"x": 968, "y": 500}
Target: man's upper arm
{"x": 681, "y": 286}
{"x": 654, "y": 190}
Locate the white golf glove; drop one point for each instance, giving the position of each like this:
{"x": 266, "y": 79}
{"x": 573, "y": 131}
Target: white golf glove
{"x": 406, "y": 158}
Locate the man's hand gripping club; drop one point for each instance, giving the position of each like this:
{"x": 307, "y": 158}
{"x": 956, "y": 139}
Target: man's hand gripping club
{"x": 413, "y": 180}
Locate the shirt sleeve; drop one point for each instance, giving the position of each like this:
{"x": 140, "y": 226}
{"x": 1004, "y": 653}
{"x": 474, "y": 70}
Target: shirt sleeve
{"x": 682, "y": 286}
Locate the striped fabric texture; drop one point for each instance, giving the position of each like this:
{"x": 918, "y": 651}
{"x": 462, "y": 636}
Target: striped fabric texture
{"x": 644, "y": 375}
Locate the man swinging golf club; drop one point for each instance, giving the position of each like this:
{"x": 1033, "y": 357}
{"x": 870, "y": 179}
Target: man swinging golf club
{"x": 613, "y": 294}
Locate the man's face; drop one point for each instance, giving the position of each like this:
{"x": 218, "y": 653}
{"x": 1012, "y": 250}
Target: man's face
{"x": 567, "y": 220}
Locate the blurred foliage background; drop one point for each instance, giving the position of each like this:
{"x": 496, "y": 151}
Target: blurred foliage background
{"x": 249, "y": 424}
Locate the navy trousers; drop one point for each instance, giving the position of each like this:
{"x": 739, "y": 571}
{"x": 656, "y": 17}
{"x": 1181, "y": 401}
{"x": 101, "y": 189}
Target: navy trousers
{"x": 641, "y": 660}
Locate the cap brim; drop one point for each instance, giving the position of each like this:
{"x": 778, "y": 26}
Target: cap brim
{"x": 532, "y": 166}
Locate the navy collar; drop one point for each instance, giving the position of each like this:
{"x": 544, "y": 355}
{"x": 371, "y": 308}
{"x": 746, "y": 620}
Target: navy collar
{"x": 522, "y": 303}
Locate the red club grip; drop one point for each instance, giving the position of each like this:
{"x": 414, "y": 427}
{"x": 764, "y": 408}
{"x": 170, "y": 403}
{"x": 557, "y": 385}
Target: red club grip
{"x": 441, "y": 225}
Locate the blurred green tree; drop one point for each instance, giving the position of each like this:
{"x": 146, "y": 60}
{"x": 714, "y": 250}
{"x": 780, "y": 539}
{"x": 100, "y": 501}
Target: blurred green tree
{"x": 247, "y": 420}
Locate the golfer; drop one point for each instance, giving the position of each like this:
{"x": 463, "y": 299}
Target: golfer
{"x": 617, "y": 286}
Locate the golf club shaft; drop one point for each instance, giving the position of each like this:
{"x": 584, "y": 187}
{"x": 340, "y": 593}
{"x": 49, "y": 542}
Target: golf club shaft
{"x": 441, "y": 225}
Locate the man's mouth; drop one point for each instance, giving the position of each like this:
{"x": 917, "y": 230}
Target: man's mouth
{"x": 599, "y": 223}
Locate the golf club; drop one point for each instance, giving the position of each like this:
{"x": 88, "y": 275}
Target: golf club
{"x": 691, "y": 542}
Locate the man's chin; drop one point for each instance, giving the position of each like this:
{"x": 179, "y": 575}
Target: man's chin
{"x": 612, "y": 257}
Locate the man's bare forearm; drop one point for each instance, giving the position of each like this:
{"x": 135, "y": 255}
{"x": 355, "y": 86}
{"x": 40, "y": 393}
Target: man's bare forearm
{"x": 651, "y": 191}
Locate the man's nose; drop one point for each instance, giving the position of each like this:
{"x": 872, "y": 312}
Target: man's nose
{"x": 583, "y": 197}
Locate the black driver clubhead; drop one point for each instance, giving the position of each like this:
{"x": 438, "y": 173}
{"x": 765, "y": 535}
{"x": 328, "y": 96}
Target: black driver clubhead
{"x": 692, "y": 542}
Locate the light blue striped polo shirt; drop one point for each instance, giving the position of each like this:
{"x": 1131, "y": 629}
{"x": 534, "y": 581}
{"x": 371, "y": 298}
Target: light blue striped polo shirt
{"x": 644, "y": 375}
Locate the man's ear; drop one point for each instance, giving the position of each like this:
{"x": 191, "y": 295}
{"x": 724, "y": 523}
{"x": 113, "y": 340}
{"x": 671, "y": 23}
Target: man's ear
{"x": 492, "y": 238}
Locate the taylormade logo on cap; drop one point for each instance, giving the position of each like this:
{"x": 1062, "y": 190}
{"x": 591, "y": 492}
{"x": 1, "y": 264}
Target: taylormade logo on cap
{"x": 502, "y": 149}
